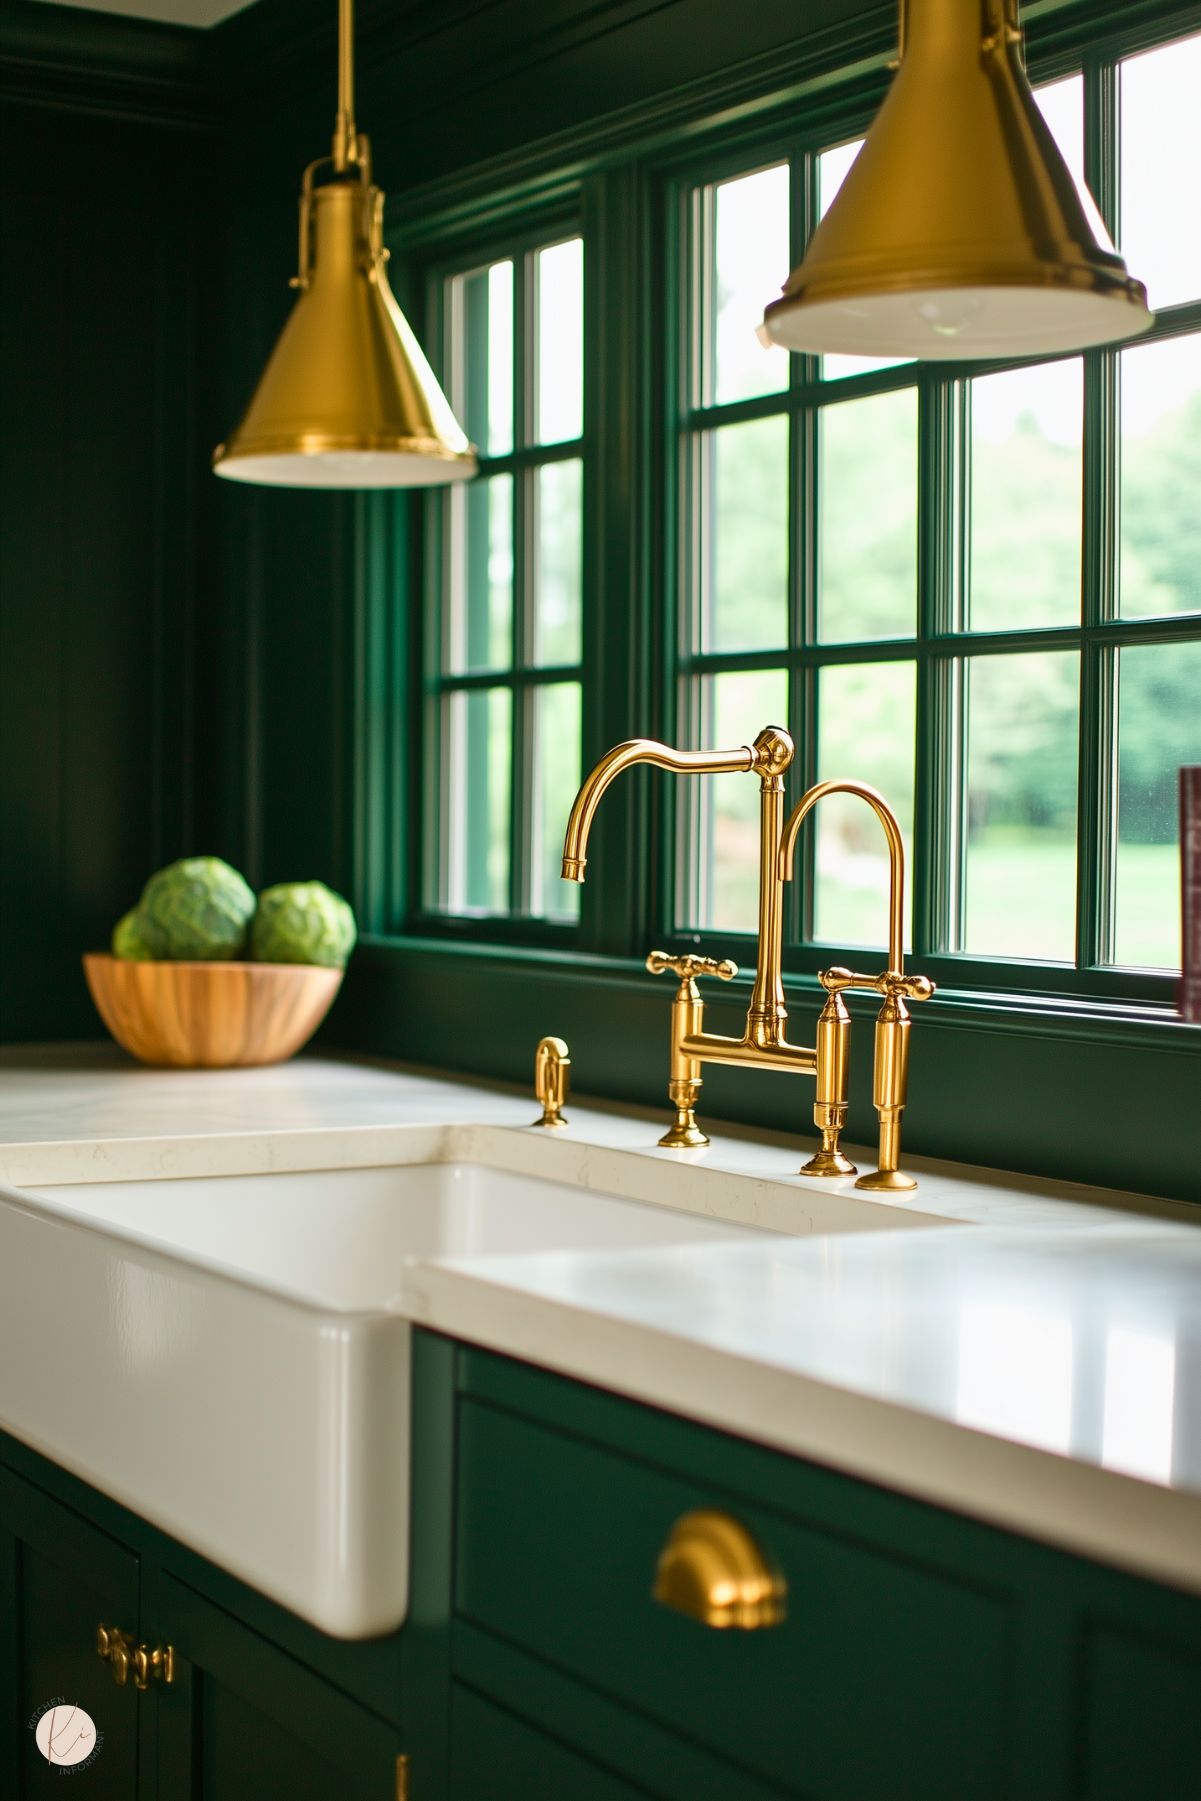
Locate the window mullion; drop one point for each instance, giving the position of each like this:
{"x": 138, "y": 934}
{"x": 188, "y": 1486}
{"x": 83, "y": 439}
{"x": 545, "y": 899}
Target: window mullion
{"x": 1097, "y": 802}
{"x": 942, "y": 502}
{"x": 524, "y": 480}
{"x": 1097, "y": 776}
{"x": 804, "y": 562}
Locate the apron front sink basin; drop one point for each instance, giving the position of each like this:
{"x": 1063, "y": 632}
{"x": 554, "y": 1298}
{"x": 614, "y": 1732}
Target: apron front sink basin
{"x": 227, "y": 1355}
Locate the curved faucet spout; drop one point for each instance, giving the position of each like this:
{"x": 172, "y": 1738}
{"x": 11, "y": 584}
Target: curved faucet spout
{"x": 625, "y": 756}
{"x": 896, "y": 854}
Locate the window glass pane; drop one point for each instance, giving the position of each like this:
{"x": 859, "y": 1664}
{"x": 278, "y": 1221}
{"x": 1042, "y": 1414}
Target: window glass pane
{"x": 1021, "y": 805}
{"x": 735, "y": 708}
{"x": 866, "y": 717}
{"x": 558, "y": 563}
{"x": 478, "y": 750}
{"x": 1061, "y": 104}
{"x": 561, "y": 341}
{"x": 868, "y": 490}
{"x": 1026, "y": 494}
{"x": 556, "y": 779}
{"x": 1161, "y": 171}
{"x": 483, "y": 310}
{"x": 1160, "y": 566}
{"x": 744, "y": 536}
{"x": 480, "y": 612}
{"x": 750, "y": 266}
{"x": 1159, "y": 728}
{"x": 833, "y": 167}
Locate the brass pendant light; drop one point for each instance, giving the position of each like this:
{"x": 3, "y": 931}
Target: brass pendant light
{"x": 347, "y": 399}
{"x": 959, "y": 231}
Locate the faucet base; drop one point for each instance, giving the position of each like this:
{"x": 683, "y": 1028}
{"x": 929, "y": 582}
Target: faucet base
{"x": 685, "y": 1135}
{"x": 828, "y": 1163}
{"x": 886, "y": 1181}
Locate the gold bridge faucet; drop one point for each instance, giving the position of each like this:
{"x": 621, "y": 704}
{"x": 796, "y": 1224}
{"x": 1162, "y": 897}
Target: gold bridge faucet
{"x": 764, "y": 1042}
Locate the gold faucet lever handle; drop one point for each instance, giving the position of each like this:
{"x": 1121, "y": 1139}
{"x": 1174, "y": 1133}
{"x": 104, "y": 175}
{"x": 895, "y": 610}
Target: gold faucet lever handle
{"x": 689, "y": 966}
{"x": 552, "y": 1065}
{"x": 888, "y": 983}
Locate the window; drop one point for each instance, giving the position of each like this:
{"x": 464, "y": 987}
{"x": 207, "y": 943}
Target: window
{"x": 979, "y": 589}
{"x": 504, "y": 657}
{"x": 976, "y": 586}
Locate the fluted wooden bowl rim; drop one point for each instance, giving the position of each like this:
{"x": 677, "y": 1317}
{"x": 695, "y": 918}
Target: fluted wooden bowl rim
{"x": 144, "y": 1037}
{"x": 329, "y": 969}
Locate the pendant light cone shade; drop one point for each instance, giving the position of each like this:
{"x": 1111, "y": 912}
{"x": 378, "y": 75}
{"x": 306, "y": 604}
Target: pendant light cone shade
{"x": 959, "y": 231}
{"x": 348, "y": 399}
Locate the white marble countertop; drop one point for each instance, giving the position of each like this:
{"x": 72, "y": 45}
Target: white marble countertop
{"x": 1041, "y": 1370}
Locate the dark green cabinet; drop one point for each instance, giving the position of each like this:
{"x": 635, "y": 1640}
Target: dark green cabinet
{"x": 497, "y": 1757}
{"x": 558, "y": 1541}
{"x": 60, "y": 1577}
{"x": 244, "y": 1719}
{"x": 1142, "y": 1723}
{"x": 923, "y": 1656}
{"x": 241, "y": 1718}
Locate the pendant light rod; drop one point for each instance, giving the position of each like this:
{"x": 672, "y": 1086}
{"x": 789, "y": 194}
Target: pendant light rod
{"x": 346, "y": 142}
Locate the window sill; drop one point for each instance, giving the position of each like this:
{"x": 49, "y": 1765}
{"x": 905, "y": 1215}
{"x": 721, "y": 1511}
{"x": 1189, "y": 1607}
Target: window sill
{"x": 1152, "y": 1025}
{"x": 1088, "y": 1091}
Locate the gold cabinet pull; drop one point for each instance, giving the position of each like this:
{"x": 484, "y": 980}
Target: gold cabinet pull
{"x": 115, "y": 1648}
{"x": 551, "y": 1067}
{"x": 712, "y": 1570}
{"x": 118, "y": 1650}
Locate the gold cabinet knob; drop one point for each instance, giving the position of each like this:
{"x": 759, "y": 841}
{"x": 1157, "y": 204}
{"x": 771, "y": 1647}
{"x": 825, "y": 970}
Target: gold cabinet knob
{"x": 712, "y": 1569}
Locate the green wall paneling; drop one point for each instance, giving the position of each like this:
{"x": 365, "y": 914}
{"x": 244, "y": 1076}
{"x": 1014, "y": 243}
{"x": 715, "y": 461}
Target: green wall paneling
{"x": 104, "y": 235}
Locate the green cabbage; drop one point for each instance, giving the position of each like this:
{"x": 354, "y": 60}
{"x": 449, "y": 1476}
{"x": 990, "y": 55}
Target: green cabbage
{"x": 302, "y": 922}
{"x": 198, "y": 909}
{"x": 129, "y": 940}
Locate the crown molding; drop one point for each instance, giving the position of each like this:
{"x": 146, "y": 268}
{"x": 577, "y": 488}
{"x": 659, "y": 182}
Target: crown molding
{"x": 104, "y": 63}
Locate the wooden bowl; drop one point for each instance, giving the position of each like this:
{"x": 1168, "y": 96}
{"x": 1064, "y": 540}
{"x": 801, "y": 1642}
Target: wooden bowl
{"x": 210, "y": 1015}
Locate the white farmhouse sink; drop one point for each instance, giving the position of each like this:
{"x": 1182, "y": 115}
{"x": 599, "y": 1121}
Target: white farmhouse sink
{"x": 225, "y": 1355}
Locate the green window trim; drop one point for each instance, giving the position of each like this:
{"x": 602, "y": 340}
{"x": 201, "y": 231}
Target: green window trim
{"x": 523, "y": 976}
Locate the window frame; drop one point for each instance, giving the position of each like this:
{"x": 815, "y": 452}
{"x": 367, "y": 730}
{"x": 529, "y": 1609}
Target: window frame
{"x": 940, "y": 645}
{"x": 518, "y": 240}
{"x": 429, "y": 973}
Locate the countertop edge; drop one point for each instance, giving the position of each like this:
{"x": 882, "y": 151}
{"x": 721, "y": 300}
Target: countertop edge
{"x": 1112, "y": 1518}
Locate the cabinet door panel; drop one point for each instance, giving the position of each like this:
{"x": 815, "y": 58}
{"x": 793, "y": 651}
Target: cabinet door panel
{"x": 63, "y": 1578}
{"x": 886, "y": 1682}
{"x": 495, "y": 1757}
{"x": 244, "y": 1720}
{"x": 1142, "y": 1739}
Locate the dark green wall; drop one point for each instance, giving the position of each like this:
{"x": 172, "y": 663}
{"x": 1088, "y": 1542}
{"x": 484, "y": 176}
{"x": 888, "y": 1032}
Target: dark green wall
{"x": 103, "y": 251}
{"x": 194, "y": 665}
